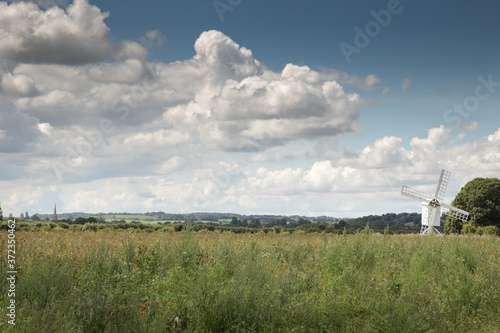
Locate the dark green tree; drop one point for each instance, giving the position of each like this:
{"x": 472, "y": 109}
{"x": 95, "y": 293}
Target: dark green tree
{"x": 302, "y": 221}
{"x": 234, "y": 221}
{"x": 255, "y": 223}
{"x": 340, "y": 224}
{"x": 481, "y": 198}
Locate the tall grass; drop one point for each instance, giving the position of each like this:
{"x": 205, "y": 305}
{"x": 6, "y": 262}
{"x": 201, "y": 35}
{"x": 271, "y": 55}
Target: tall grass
{"x": 111, "y": 281}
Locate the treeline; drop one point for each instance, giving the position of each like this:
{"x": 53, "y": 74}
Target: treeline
{"x": 409, "y": 222}
{"x": 317, "y": 227}
{"x": 393, "y": 223}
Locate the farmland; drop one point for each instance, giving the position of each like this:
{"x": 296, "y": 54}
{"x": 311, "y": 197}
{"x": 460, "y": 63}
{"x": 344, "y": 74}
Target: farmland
{"x": 133, "y": 281}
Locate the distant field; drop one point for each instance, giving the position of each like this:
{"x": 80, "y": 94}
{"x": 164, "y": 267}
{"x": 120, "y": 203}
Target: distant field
{"x": 124, "y": 281}
{"x": 130, "y": 218}
{"x": 142, "y": 218}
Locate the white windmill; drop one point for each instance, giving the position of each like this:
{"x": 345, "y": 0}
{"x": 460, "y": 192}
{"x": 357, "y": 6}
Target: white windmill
{"x": 431, "y": 205}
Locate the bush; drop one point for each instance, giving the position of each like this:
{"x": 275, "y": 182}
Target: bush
{"x": 76, "y": 227}
{"x": 24, "y": 226}
{"x": 93, "y": 226}
{"x": 468, "y": 228}
{"x": 490, "y": 230}
{"x": 63, "y": 225}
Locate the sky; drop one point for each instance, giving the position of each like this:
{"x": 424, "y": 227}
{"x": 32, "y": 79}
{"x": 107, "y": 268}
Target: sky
{"x": 251, "y": 107}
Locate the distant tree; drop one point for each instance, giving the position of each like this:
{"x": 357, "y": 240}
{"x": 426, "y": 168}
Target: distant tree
{"x": 340, "y": 224}
{"x": 282, "y": 221}
{"x": 276, "y": 222}
{"x": 234, "y": 221}
{"x": 481, "y": 198}
{"x": 357, "y": 226}
{"x": 302, "y": 221}
{"x": 255, "y": 223}
{"x": 238, "y": 223}
{"x": 83, "y": 220}
{"x": 321, "y": 225}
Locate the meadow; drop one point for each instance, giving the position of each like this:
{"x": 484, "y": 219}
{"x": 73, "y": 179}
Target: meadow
{"x": 133, "y": 281}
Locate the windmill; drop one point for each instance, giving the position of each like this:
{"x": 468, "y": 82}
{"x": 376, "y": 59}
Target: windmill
{"x": 432, "y": 205}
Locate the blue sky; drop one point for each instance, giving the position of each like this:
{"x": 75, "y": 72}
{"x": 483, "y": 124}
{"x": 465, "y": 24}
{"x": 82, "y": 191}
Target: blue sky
{"x": 244, "y": 106}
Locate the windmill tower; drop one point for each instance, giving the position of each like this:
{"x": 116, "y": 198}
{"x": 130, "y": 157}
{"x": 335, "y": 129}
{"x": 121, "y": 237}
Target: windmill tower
{"x": 432, "y": 205}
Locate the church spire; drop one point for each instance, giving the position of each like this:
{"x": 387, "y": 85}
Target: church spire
{"x": 54, "y": 217}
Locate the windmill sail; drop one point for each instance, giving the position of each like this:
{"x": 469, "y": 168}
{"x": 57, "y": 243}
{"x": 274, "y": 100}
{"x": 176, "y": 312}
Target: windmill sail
{"x": 444, "y": 178}
{"x": 416, "y": 194}
{"x": 455, "y": 212}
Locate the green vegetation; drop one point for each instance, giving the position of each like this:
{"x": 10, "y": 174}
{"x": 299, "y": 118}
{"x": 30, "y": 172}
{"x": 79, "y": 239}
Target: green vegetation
{"x": 136, "y": 281}
{"x": 481, "y": 198}
{"x": 387, "y": 223}
{"x": 403, "y": 222}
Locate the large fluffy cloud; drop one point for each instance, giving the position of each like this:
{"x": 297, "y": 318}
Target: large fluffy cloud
{"x": 224, "y": 58}
{"x": 76, "y": 35}
{"x": 223, "y": 97}
{"x": 242, "y": 106}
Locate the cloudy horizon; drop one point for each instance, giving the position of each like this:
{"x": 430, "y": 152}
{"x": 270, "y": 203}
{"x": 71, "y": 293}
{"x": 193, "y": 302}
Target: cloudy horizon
{"x": 104, "y": 111}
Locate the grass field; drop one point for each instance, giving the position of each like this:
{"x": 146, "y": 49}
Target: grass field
{"x": 110, "y": 281}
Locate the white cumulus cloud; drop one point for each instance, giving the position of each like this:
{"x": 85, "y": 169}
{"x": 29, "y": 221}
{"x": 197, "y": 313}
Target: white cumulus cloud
{"x": 78, "y": 34}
